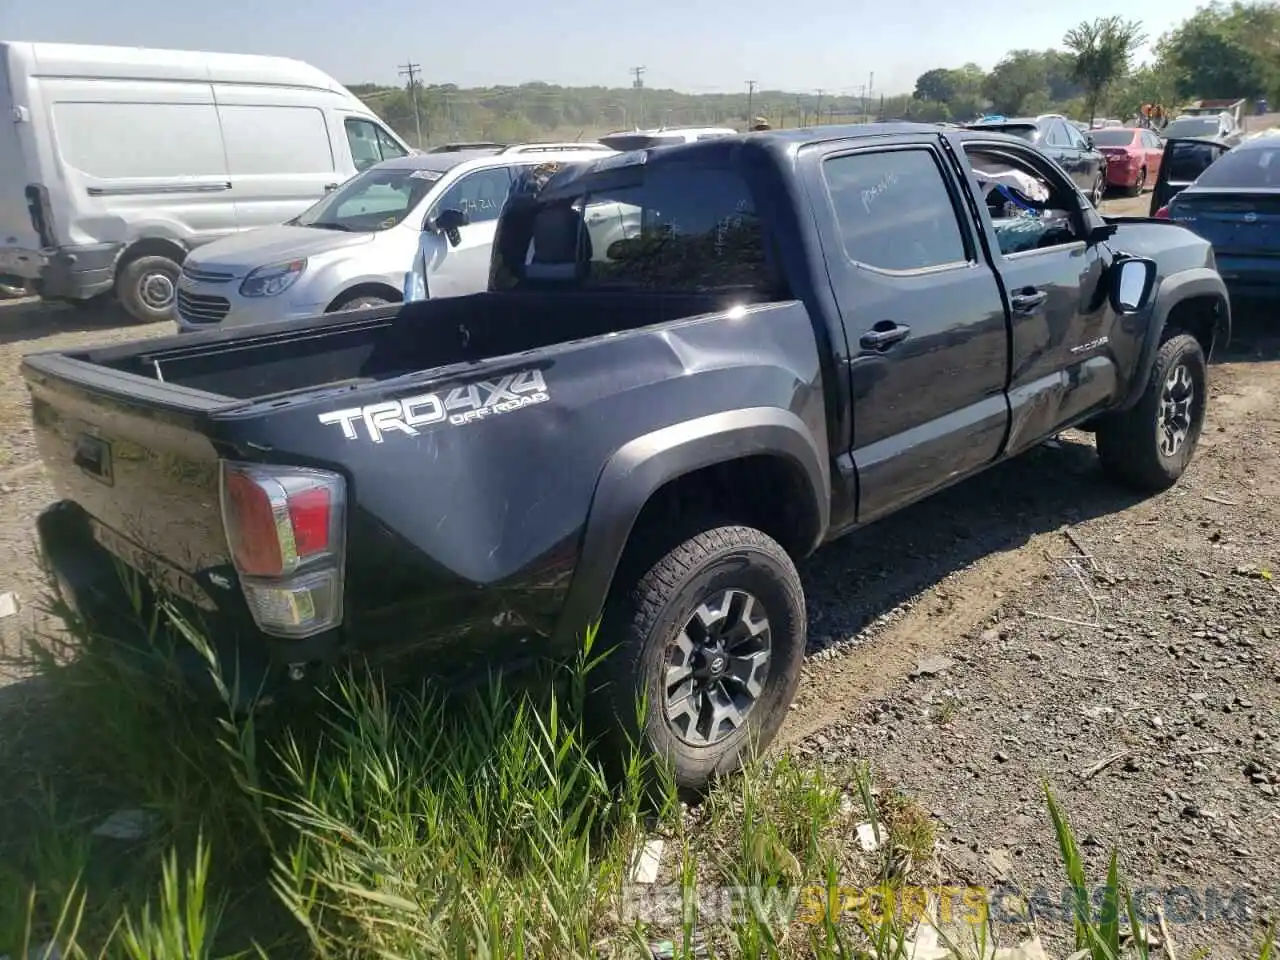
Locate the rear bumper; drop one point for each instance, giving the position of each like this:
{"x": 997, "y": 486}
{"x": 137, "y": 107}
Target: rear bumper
{"x": 96, "y": 585}
{"x": 78, "y": 272}
{"x": 1121, "y": 174}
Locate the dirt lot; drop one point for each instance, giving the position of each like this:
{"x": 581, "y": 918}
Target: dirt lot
{"x": 1069, "y": 623}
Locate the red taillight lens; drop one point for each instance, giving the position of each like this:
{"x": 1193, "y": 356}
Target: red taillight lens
{"x": 251, "y": 525}
{"x": 278, "y": 518}
{"x": 1163, "y": 213}
{"x": 309, "y": 512}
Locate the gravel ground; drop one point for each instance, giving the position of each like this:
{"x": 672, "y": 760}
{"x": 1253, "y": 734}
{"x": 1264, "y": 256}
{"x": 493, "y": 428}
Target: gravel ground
{"x": 1061, "y": 622}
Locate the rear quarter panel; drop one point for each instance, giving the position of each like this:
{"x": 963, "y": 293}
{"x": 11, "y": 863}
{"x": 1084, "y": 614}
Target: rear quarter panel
{"x": 466, "y": 526}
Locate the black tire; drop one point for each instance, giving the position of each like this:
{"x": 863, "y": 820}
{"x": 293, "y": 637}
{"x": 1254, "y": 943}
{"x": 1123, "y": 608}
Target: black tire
{"x": 146, "y": 288}
{"x": 648, "y": 613}
{"x": 1136, "y": 446}
{"x": 1139, "y": 183}
{"x": 1099, "y": 190}
{"x": 360, "y": 301}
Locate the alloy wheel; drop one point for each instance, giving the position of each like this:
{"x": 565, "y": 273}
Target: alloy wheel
{"x": 1177, "y": 397}
{"x": 716, "y": 668}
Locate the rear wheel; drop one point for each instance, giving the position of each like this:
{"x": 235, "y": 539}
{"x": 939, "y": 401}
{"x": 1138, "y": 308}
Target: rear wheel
{"x": 147, "y": 288}
{"x": 711, "y": 636}
{"x": 1149, "y": 446}
{"x": 1099, "y": 189}
{"x": 1139, "y": 183}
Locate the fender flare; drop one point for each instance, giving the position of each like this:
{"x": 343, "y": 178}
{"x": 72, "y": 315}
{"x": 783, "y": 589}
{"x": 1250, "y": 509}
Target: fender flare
{"x": 642, "y": 466}
{"x": 1196, "y": 282}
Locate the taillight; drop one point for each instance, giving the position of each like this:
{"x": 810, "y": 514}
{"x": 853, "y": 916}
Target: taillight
{"x": 1163, "y": 213}
{"x": 286, "y": 529}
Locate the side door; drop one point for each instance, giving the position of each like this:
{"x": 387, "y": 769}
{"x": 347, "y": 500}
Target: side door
{"x": 1089, "y": 161}
{"x": 1054, "y": 279}
{"x": 279, "y": 153}
{"x": 455, "y": 271}
{"x": 1153, "y": 148}
{"x": 1183, "y": 159}
{"x": 923, "y": 315}
{"x": 1056, "y": 144}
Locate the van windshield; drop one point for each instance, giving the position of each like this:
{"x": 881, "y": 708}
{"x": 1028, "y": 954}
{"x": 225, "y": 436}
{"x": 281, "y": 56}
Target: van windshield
{"x": 375, "y": 200}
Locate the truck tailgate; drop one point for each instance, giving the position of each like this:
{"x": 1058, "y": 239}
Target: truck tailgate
{"x": 143, "y": 478}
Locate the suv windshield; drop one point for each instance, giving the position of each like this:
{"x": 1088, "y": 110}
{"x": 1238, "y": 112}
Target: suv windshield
{"x": 375, "y": 200}
{"x": 1192, "y": 127}
{"x": 1112, "y": 137}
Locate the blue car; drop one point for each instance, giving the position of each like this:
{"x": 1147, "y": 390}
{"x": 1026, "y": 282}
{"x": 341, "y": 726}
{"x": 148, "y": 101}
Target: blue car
{"x": 1235, "y": 205}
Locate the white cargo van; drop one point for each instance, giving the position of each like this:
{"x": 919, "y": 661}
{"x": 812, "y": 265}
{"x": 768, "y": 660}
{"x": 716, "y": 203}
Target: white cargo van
{"x": 117, "y": 161}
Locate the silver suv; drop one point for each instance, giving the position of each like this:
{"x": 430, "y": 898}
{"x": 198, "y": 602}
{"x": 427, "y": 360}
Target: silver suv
{"x": 353, "y": 248}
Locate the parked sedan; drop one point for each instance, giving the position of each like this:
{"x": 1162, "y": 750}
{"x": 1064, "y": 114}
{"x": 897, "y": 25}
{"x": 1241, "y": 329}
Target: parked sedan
{"x": 1235, "y": 205}
{"x": 1133, "y": 157}
{"x": 1060, "y": 140}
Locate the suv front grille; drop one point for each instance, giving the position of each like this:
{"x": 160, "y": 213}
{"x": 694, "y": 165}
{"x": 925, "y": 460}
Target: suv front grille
{"x": 197, "y": 308}
{"x": 193, "y": 272}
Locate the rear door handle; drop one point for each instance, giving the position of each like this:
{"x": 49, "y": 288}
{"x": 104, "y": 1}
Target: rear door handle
{"x": 1028, "y": 301}
{"x": 884, "y": 334}
{"x": 330, "y": 187}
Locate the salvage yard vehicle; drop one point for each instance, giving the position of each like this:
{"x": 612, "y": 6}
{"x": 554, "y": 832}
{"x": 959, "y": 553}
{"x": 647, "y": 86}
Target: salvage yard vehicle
{"x": 116, "y": 162}
{"x": 1133, "y": 157}
{"x": 352, "y": 248}
{"x": 811, "y": 329}
{"x": 1233, "y": 202}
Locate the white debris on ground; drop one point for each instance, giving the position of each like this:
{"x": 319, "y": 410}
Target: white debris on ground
{"x": 644, "y": 869}
{"x": 959, "y": 941}
{"x": 8, "y": 604}
{"x": 867, "y": 837}
{"x": 126, "y": 825}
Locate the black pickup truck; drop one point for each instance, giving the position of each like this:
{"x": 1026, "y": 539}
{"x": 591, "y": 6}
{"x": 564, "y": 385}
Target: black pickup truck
{"x": 694, "y": 365}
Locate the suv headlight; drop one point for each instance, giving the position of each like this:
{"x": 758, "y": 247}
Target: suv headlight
{"x": 273, "y": 279}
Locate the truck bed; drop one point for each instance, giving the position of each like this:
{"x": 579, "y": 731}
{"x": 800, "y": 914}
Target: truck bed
{"x": 208, "y": 372}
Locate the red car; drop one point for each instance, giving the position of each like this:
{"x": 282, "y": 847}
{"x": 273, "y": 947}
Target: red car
{"x": 1133, "y": 156}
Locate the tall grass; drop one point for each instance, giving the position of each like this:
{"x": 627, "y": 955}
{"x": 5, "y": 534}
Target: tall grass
{"x": 415, "y": 823}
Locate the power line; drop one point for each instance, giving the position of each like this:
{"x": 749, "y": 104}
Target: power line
{"x": 411, "y": 70}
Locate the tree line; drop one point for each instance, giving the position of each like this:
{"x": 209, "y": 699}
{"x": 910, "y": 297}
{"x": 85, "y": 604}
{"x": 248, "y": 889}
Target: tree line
{"x": 1223, "y": 50}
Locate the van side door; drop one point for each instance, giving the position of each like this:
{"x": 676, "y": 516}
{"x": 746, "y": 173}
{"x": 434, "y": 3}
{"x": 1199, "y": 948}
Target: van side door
{"x": 279, "y": 154}
{"x": 922, "y": 313}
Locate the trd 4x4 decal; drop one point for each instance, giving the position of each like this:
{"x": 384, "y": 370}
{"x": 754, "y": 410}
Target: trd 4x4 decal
{"x": 458, "y": 406}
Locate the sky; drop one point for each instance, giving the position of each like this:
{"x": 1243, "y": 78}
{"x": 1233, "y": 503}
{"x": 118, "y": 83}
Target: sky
{"x": 799, "y": 45}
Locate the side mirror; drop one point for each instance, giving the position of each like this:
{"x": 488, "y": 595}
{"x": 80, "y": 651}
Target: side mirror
{"x": 449, "y": 222}
{"x": 1131, "y": 281}
{"x": 1088, "y": 139}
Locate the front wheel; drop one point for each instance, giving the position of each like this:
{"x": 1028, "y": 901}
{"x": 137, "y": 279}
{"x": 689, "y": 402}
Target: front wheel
{"x": 359, "y": 302}
{"x": 711, "y": 638}
{"x": 1150, "y": 445}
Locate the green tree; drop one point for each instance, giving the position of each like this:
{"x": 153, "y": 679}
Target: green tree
{"x": 1102, "y": 50}
{"x": 1015, "y": 78}
{"x": 1226, "y": 51}
{"x": 938, "y": 85}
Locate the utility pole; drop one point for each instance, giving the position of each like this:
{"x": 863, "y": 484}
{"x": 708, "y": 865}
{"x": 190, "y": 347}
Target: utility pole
{"x": 411, "y": 70}
{"x": 638, "y": 86}
{"x": 817, "y": 109}
{"x": 751, "y": 90}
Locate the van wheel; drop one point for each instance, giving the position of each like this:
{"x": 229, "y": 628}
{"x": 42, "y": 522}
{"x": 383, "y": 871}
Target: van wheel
{"x": 711, "y": 636}
{"x": 359, "y": 302}
{"x": 1149, "y": 446}
{"x": 147, "y": 288}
